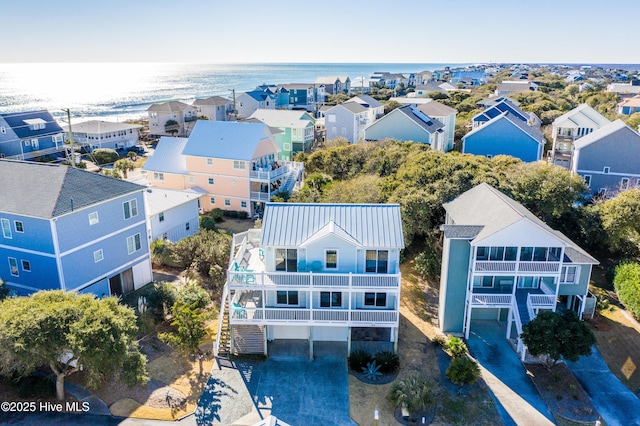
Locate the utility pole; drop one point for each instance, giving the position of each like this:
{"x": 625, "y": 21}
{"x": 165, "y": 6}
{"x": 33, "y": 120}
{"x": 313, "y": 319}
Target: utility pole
{"x": 235, "y": 110}
{"x": 73, "y": 153}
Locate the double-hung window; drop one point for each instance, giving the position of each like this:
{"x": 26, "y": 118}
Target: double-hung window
{"x": 6, "y": 228}
{"x": 377, "y": 261}
{"x": 13, "y": 266}
{"x": 375, "y": 299}
{"x": 19, "y": 226}
{"x": 130, "y": 208}
{"x": 568, "y": 275}
{"x": 133, "y": 243}
{"x": 329, "y": 299}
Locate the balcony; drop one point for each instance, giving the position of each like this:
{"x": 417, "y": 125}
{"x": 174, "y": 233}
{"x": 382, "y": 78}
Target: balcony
{"x": 346, "y": 317}
{"x": 259, "y": 196}
{"x": 521, "y": 267}
{"x": 251, "y": 279}
{"x": 274, "y": 171}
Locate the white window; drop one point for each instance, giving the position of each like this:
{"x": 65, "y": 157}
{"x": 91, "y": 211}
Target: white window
{"x": 331, "y": 259}
{"x": 130, "y": 209}
{"x": 239, "y": 165}
{"x": 375, "y": 299}
{"x": 57, "y": 138}
{"x": 6, "y": 228}
{"x": 98, "y": 255}
{"x": 27, "y": 142}
{"x": 35, "y": 144}
{"x": 332, "y": 118}
{"x": 209, "y": 161}
{"x": 93, "y": 218}
{"x": 18, "y": 226}
{"x": 26, "y": 265}
{"x": 158, "y": 176}
{"x": 243, "y": 204}
{"x": 287, "y": 297}
{"x": 624, "y": 183}
{"x": 377, "y": 261}
{"x": 330, "y": 299}
{"x": 211, "y": 181}
{"x": 13, "y": 266}
{"x": 568, "y": 275}
{"x": 606, "y": 170}
{"x": 161, "y": 217}
{"x": 133, "y": 243}
{"x": 212, "y": 200}
{"x": 286, "y": 146}
{"x": 587, "y": 180}
{"x": 192, "y": 179}
{"x": 227, "y": 202}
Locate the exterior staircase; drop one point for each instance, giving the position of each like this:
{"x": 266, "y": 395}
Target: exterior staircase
{"x": 290, "y": 181}
{"x": 224, "y": 336}
{"x": 523, "y": 311}
{"x": 248, "y": 339}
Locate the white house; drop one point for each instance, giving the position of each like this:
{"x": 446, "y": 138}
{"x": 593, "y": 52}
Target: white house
{"x": 247, "y": 103}
{"x": 346, "y": 120}
{"x": 104, "y": 134}
{"x": 162, "y": 116}
{"x": 215, "y": 108}
{"x": 315, "y": 273}
{"x": 173, "y": 215}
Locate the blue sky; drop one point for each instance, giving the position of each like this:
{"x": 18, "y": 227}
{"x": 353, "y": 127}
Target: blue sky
{"x": 232, "y": 31}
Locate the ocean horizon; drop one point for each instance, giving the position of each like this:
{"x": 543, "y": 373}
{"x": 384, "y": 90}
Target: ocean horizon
{"x": 118, "y": 91}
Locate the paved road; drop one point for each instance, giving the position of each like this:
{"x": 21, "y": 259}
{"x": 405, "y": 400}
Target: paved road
{"x": 614, "y": 401}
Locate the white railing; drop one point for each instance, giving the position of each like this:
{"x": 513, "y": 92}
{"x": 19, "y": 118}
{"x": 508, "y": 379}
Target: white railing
{"x": 374, "y": 281}
{"x": 374, "y": 316}
{"x": 239, "y": 315}
{"x": 520, "y": 346}
{"x": 499, "y": 266}
{"x": 277, "y": 314}
{"x": 541, "y": 301}
{"x": 272, "y": 174}
{"x": 488, "y": 266}
{"x": 259, "y": 196}
{"x": 330, "y": 315}
{"x": 330, "y": 280}
{"x": 491, "y": 299}
{"x": 539, "y": 267}
{"x": 253, "y": 279}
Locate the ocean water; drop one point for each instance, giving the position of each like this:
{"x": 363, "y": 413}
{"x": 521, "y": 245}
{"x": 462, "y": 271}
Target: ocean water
{"x": 120, "y": 91}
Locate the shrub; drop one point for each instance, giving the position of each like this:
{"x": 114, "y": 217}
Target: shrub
{"x": 456, "y": 347}
{"x": 193, "y": 296}
{"x": 162, "y": 252}
{"x": 359, "y": 359}
{"x": 388, "y": 362}
{"x": 371, "y": 371}
{"x": 242, "y": 214}
{"x": 626, "y": 282}
{"x": 463, "y": 371}
{"x": 207, "y": 222}
{"x": 104, "y": 156}
{"x": 414, "y": 392}
{"x": 162, "y": 298}
{"x": 216, "y": 214}
{"x": 439, "y": 341}
{"x": 427, "y": 263}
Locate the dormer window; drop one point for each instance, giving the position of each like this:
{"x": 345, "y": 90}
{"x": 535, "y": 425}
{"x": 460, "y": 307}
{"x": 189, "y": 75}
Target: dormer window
{"x": 606, "y": 170}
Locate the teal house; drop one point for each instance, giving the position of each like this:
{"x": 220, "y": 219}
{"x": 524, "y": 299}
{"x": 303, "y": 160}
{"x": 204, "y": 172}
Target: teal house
{"x": 500, "y": 262}
{"x": 296, "y": 130}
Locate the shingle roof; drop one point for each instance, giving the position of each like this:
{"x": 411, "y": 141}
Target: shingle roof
{"x": 213, "y": 100}
{"x": 231, "y": 140}
{"x": 100, "y": 126}
{"x": 431, "y": 125}
{"x": 370, "y": 225}
{"x": 331, "y": 79}
{"x": 17, "y": 122}
{"x": 167, "y": 157}
{"x": 485, "y": 206}
{"x": 604, "y": 131}
{"x": 461, "y": 231}
{"x": 367, "y": 101}
{"x": 498, "y": 108}
{"x": 172, "y": 106}
{"x": 49, "y": 190}
{"x": 354, "y": 107}
{"x": 436, "y": 109}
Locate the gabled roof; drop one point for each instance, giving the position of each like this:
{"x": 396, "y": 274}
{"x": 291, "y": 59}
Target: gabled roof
{"x": 331, "y": 79}
{"x": 581, "y": 116}
{"x": 49, "y": 190}
{"x": 331, "y": 229}
{"x": 20, "y": 123}
{"x": 366, "y": 101}
{"x": 492, "y": 210}
{"x": 370, "y": 225}
{"x": 436, "y": 109}
{"x": 499, "y": 108}
{"x": 430, "y": 125}
{"x": 259, "y": 95}
{"x": 283, "y": 118}
{"x": 213, "y": 100}
{"x": 430, "y": 86}
{"x": 516, "y": 121}
{"x": 604, "y": 131}
{"x": 514, "y": 86}
{"x": 631, "y": 102}
{"x": 487, "y": 102}
{"x": 171, "y": 106}
{"x": 167, "y": 157}
{"x": 161, "y": 200}
{"x": 296, "y": 86}
{"x": 353, "y": 107}
{"x": 100, "y": 126}
{"x": 231, "y": 140}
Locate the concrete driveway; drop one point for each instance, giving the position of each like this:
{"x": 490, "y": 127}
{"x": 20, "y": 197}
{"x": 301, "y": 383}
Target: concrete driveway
{"x": 614, "y": 401}
{"x": 517, "y": 399}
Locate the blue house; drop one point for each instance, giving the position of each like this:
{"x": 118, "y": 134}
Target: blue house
{"x": 28, "y": 135}
{"x": 505, "y": 134}
{"x": 407, "y": 123}
{"x": 502, "y": 106}
{"x": 65, "y": 228}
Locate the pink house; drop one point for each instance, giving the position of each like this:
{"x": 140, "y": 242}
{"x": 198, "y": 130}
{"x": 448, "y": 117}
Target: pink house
{"x": 236, "y": 163}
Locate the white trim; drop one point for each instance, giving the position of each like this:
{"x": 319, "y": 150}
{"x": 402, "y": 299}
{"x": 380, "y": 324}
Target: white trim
{"x": 609, "y": 174}
{"x": 104, "y": 237}
{"x": 120, "y": 268}
{"x": 56, "y": 255}
{"x": 101, "y": 255}
{"x": 15, "y": 226}
{"x": 97, "y": 219}
{"x": 131, "y": 215}
{"x": 4, "y": 221}
{"x": 17, "y": 274}
{"x": 22, "y": 261}
{"x": 324, "y": 266}
{"x": 26, "y": 287}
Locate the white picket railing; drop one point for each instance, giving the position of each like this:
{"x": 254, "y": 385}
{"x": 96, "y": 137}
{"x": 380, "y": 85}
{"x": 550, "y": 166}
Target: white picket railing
{"x": 244, "y": 279}
{"x": 374, "y": 316}
{"x": 541, "y": 301}
{"x": 539, "y": 267}
{"x": 216, "y": 345}
{"x": 330, "y": 315}
{"x": 239, "y": 315}
{"x": 478, "y": 299}
{"x": 488, "y": 266}
{"x": 500, "y": 266}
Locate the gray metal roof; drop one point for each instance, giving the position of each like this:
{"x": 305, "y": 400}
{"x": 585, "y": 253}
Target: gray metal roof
{"x": 431, "y": 125}
{"x": 370, "y": 225}
{"x": 167, "y": 157}
{"x": 436, "y": 109}
{"x": 49, "y": 190}
{"x": 160, "y": 200}
{"x": 213, "y": 100}
{"x": 461, "y": 231}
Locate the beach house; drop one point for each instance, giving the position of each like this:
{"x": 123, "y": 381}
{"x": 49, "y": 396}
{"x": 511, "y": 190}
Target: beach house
{"x": 30, "y": 134}
{"x": 215, "y": 108}
{"x": 95, "y": 134}
{"x": 315, "y": 274}
{"x": 172, "y": 118}
{"x": 65, "y": 228}
{"x": 297, "y": 130}
{"x": 407, "y": 123}
{"x": 500, "y": 262}
{"x": 173, "y": 215}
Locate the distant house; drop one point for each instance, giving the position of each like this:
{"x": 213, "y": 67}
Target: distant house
{"x": 30, "y": 134}
{"x": 301, "y": 96}
{"x": 376, "y": 108}
{"x": 173, "y": 215}
{"x": 502, "y": 106}
{"x": 297, "y": 130}
{"x": 334, "y": 85}
{"x": 423, "y": 90}
{"x": 447, "y": 116}
{"x": 215, "y": 108}
{"x": 570, "y": 127}
{"x": 235, "y": 162}
{"x": 104, "y": 134}
{"x": 630, "y": 88}
{"x": 629, "y": 106}
{"x": 607, "y": 158}
{"x": 388, "y": 80}
{"x": 500, "y": 262}
{"x": 506, "y": 134}
{"x": 247, "y": 103}
{"x": 162, "y": 117}
{"x": 346, "y": 120}
{"x": 469, "y": 78}
{"x": 491, "y": 101}
{"x": 515, "y": 86}
{"x": 315, "y": 273}
{"x": 66, "y": 228}
{"x": 407, "y": 123}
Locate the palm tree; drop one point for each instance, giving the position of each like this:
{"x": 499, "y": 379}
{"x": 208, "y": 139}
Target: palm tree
{"x": 412, "y": 392}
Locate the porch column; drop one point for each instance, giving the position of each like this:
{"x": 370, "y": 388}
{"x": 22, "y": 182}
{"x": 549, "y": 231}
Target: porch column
{"x": 509, "y": 323}
{"x": 264, "y": 340}
{"x": 231, "y": 339}
{"x": 395, "y": 341}
{"x": 467, "y": 325}
{"x": 349, "y": 342}
{"x": 311, "y": 341}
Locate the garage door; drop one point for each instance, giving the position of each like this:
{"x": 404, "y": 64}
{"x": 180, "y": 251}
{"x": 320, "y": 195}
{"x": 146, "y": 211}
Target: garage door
{"x": 287, "y": 332}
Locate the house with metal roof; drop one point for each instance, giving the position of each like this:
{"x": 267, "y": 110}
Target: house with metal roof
{"x": 346, "y": 120}
{"x": 607, "y": 158}
{"x": 237, "y": 163}
{"x": 172, "y": 118}
{"x": 335, "y": 84}
{"x": 501, "y": 263}
{"x": 375, "y": 107}
{"x": 95, "y": 134}
{"x": 173, "y": 215}
{"x": 570, "y": 127}
{"x": 29, "y": 135}
{"x": 248, "y": 102}
{"x": 65, "y": 228}
{"x": 407, "y": 123}
{"x": 215, "y": 108}
{"x": 315, "y": 274}
{"x": 505, "y": 134}
{"x": 296, "y": 129}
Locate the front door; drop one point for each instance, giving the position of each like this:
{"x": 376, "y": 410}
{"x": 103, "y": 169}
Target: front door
{"x": 127, "y": 281}
{"x": 115, "y": 285}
